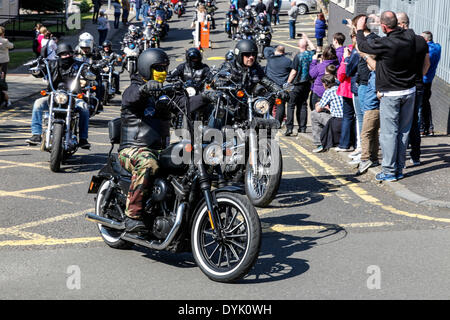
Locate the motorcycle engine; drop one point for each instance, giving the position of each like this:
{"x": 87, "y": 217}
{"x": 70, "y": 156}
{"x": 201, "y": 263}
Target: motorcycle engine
{"x": 162, "y": 226}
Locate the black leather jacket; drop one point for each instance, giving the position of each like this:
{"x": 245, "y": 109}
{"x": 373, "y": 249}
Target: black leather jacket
{"x": 61, "y": 73}
{"x": 185, "y": 73}
{"x": 249, "y": 78}
{"x": 142, "y": 124}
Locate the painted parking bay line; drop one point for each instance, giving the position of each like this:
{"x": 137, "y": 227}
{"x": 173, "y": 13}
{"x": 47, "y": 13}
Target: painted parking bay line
{"x": 360, "y": 192}
{"x": 267, "y": 228}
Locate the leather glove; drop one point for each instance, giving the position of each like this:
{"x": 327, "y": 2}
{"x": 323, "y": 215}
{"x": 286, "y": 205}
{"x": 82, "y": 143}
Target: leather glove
{"x": 151, "y": 88}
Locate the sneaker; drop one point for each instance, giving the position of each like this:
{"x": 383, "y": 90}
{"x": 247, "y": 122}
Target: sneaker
{"x": 338, "y": 149}
{"x": 364, "y": 166}
{"x": 355, "y": 153}
{"x": 385, "y": 177}
{"x": 431, "y": 133}
{"x": 319, "y": 149}
{"x": 355, "y": 161}
{"x": 414, "y": 162}
{"x": 134, "y": 225}
{"x": 84, "y": 144}
{"x": 34, "y": 140}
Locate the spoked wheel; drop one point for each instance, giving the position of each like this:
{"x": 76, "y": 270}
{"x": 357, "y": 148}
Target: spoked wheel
{"x": 229, "y": 257}
{"x": 110, "y": 236}
{"x": 262, "y": 187}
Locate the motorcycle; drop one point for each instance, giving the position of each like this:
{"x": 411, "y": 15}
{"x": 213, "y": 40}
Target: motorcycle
{"x": 131, "y": 52}
{"x": 150, "y": 38}
{"x": 108, "y": 80}
{"x": 230, "y": 26}
{"x": 180, "y": 8}
{"x": 263, "y": 38}
{"x": 220, "y": 227}
{"x": 60, "y": 136}
{"x": 254, "y": 155}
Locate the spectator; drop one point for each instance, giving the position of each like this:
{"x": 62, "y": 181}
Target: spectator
{"x": 276, "y": 11}
{"x": 125, "y": 11}
{"x": 35, "y": 39}
{"x": 317, "y": 71}
{"x": 270, "y": 8}
{"x": 5, "y": 46}
{"x": 371, "y": 122}
{"x": 97, "y": 5}
{"x": 320, "y": 27}
{"x": 42, "y": 31}
{"x": 292, "y": 13}
{"x": 300, "y": 78}
{"x": 358, "y": 70}
{"x": 49, "y": 46}
{"x": 425, "y": 117}
{"x": 423, "y": 64}
{"x": 138, "y": 6}
{"x": 199, "y": 16}
{"x": 395, "y": 80}
{"x": 326, "y": 119}
{"x": 117, "y": 12}
{"x": 103, "y": 27}
{"x": 348, "y": 120}
{"x": 277, "y": 69}
{"x": 338, "y": 44}
{"x": 242, "y": 4}
{"x": 260, "y": 7}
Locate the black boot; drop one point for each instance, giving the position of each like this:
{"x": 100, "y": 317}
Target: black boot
{"x": 134, "y": 225}
{"x": 288, "y": 133}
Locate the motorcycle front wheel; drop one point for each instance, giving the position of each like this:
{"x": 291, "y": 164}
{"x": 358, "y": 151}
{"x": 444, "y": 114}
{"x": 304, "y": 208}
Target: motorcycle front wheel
{"x": 262, "y": 187}
{"x": 230, "y": 258}
{"x": 56, "y": 154}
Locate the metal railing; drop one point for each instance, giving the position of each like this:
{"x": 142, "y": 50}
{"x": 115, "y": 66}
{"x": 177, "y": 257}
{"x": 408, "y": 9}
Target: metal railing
{"x": 18, "y": 25}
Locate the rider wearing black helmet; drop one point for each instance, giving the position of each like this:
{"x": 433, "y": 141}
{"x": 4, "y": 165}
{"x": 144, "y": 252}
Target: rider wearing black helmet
{"x": 144, "y": 129}
{"x": 193, "y": 69}
{"x": 63, "y": 70}
{"x": 107, "y": 55}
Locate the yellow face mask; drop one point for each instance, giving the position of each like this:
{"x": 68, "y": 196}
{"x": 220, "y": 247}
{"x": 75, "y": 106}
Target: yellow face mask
{"x": 159, "y": 76}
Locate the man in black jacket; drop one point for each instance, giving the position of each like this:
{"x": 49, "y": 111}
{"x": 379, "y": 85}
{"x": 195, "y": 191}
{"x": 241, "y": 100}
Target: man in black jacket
{"x": 395, "y": 82}
{"x": 144, "y": 130}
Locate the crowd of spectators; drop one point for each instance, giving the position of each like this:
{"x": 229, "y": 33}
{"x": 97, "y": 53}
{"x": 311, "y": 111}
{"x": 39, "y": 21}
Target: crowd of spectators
{"x": 372, "y": 93}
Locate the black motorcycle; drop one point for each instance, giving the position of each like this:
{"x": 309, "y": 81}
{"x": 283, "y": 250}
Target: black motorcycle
{"x": 220, "y": 227}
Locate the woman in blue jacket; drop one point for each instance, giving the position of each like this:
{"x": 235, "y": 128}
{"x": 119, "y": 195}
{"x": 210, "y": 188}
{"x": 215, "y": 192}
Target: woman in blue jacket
{"x": 321, "y": 27}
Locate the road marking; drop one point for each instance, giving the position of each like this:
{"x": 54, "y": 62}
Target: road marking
{"x": 266, "y": 228}
{"x": 216, "y": 58}
{"x": 360, "y": 192}
{"x": 49, "y": 242}
{"x": 24, "y": 164}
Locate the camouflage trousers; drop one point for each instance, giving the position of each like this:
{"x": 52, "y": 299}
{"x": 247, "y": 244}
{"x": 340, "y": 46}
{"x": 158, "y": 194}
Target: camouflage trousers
{"x": 142, "y": 164}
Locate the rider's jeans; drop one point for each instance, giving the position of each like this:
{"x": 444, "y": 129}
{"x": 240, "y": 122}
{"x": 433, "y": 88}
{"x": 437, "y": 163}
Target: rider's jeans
{"x": 41, "y": 105}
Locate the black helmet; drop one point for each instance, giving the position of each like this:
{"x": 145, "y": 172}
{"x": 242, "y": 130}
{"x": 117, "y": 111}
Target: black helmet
{"x": 107, "y": 43}
{"x": 244, "y": 46}
{"x": 63, "y": 47}
{"x": 193, "y": 54}
{"x": 150, "y": 57}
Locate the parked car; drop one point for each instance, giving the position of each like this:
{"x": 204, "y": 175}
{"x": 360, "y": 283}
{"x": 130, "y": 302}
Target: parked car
{"x": 304, "y": 6}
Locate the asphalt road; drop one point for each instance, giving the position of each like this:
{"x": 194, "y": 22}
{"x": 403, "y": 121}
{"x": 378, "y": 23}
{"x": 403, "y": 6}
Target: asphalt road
{"x": 327, "y": 235}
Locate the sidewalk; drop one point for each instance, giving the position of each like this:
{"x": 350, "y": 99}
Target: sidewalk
{"x": 22, "y": 84}
{"x": 427, "y": 184}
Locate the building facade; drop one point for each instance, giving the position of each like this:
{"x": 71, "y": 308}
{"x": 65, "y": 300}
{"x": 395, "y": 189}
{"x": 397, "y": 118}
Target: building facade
{"x": 424, "y": 15}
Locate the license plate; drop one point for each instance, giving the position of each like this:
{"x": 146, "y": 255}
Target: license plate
{"x": 96, "y": 181}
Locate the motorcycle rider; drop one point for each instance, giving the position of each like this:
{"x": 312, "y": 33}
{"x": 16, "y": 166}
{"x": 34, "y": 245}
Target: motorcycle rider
{"x": 132, "y": 35}
{"x": 193, "y": 69}
{"x": 144, "y": 129}
{"x": 244, "y": 69}
{"x": 63, "y": 70}
{"x": 233, "y": 14}
{"x": 210, "y": 9}
{"x": 86, "y": 52}
{"x": 108, "y": 54}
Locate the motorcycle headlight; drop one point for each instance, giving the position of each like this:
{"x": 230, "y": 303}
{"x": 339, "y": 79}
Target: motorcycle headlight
{"x": 61, "y": 98}
{"x": 105, "y": 69}
{"x": 83, "y": 83}
{"x": 261, "y": 106}
{"x": 213, "y": 154}
{"x": 191, "y": 91}
{"x": 263, "y": 36}
{"x": 131, "y": 46}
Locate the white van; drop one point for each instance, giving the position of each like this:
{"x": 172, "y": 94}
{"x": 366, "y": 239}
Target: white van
{"x": 304, "y": 6}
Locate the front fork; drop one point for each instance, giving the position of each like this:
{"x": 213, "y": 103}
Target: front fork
{"x": 253, "y": 140}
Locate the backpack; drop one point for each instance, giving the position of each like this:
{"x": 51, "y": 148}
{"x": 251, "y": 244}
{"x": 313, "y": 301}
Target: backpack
{"x": 44, "y": 51}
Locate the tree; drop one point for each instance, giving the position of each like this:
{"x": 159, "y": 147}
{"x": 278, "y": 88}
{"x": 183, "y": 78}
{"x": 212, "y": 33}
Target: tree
{"x": 43, "y": 6}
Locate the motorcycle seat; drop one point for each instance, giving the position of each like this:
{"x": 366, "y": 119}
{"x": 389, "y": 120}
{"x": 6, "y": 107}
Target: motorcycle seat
{"x": 117, "y": 169}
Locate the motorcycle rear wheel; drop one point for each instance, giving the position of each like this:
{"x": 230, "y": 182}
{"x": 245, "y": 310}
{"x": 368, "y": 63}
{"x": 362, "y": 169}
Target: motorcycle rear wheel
{"x": 231, "y": 258}
{"x": 110, "y": 236}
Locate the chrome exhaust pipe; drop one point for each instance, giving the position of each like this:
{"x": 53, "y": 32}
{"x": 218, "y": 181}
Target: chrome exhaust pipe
{"x": 158, "y": 245}
{"x": 104, "y": 221}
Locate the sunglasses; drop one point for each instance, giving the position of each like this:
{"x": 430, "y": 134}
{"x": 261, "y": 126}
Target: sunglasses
{"x": 249, "y": 54}
{"x": 160, "y": 68}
